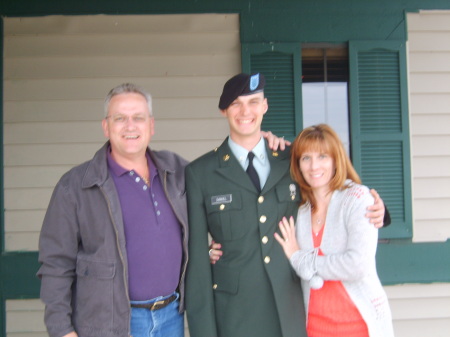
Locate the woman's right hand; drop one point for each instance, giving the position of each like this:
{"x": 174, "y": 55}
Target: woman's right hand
{"x": 214, "y": 252}
{"x": 288, "y": 241}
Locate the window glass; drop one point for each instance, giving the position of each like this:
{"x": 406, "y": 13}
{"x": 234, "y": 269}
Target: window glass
{"x": 325, "y": 88}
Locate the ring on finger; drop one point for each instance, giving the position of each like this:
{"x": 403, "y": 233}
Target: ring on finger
{"x": 210, "y": 252}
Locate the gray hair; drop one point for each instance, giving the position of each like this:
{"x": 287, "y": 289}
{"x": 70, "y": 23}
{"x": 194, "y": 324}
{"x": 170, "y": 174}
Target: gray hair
{"x": 127, "y": 88}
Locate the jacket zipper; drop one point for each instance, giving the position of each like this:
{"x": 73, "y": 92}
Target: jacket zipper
{"x": 184, "y": 227}
{"x": 125, "y": 279}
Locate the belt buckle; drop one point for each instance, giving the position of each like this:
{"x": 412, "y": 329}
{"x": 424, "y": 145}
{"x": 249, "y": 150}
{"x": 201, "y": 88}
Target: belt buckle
{"x": 157, "y": 304}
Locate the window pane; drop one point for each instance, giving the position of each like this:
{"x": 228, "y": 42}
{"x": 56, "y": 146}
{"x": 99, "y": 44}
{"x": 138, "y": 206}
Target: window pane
{"x": 325, "y": 89}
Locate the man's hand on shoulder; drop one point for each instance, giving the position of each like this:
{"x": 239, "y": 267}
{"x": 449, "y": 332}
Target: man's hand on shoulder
{"x": 275, "y": 142}
{"x": 376, "y": 211}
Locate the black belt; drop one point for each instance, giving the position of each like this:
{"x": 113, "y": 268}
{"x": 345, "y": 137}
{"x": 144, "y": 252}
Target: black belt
{"x": 156, "y": 305}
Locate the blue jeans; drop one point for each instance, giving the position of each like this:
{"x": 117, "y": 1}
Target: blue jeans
{"x": 164, "y": 322}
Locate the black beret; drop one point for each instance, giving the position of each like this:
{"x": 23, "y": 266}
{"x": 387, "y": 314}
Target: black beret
{"x": 241, "y": 85}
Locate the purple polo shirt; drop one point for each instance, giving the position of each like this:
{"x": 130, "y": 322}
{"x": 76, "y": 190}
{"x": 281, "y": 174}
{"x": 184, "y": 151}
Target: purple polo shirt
{"x": 152, "y": 233}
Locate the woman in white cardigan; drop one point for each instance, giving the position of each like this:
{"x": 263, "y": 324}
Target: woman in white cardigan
{"x": 332, "y": 247}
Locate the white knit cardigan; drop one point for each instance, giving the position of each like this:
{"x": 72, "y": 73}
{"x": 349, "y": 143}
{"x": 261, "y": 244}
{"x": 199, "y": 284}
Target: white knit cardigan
{"x": 349, "y": 243}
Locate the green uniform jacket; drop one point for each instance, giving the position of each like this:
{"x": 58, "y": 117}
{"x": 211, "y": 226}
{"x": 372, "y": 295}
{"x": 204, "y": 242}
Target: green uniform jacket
{"x": 252, "y": 290}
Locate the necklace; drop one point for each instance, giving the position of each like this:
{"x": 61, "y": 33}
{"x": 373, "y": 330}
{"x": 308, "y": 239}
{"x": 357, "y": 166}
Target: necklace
{"x": 318, "y": 227}
{"x": 147, "y": 180}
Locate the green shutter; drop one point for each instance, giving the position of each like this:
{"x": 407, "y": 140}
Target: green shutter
{"x": 281, "y": 66}
{"x": 379, "y": 127}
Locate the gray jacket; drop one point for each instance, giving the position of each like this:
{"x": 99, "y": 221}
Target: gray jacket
{"x": 82, "y": 248}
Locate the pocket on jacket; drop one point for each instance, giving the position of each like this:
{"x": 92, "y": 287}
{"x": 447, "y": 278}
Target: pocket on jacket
{"x": 288, "y": 196}
{"x": 288, "y": 193}
{"x": 225, "y": 279}
{"x": 225, "y": 289}
{"x": 93, "y": 293}
{"x": 224, "y": 215}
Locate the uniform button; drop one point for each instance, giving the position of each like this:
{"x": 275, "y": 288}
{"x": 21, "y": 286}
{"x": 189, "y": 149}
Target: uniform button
{"x": 265, "y": 239}
{"x": 267, "y": 259}
{"x": 215, "y": 286}
{"x": 262, "y": 219}
{"x": 222, "y": 207}
{"x": 261, "y": 199}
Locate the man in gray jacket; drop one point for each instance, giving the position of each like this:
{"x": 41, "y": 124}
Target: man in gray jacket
{"x": 113, "y": 245}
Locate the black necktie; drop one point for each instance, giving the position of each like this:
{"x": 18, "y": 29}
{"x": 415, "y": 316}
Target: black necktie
{"x": 252, "y": 172}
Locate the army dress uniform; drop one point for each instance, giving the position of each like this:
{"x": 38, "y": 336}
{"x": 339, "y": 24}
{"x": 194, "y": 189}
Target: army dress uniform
{"x": 252, "y": 290}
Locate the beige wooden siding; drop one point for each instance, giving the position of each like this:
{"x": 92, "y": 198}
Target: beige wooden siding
{"x": 429, "y": 87}
{"x": 420, "y": 309}
{"x": 58, "y": 69}
{"x": 25, "y": 318}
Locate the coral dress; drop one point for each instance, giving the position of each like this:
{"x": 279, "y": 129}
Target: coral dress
{"x": 331, "y": 311}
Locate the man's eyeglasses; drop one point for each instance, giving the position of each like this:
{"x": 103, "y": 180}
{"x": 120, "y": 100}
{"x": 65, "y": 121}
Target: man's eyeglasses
{"x": 122, "y": 119}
